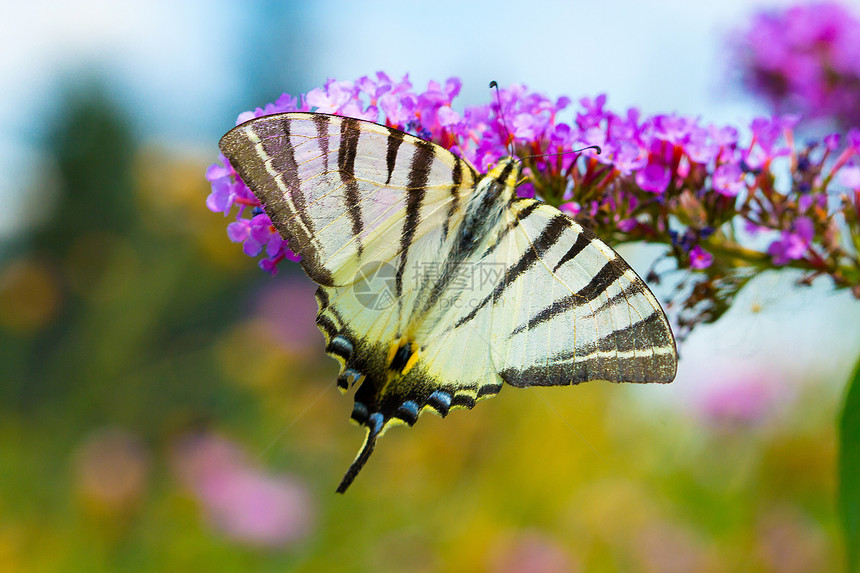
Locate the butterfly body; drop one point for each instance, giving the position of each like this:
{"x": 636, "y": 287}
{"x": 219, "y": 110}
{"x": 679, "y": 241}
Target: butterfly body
{"x": 437, "y": 284}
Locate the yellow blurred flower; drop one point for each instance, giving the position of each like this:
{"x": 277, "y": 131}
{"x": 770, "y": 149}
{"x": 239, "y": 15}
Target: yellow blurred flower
{"x": 29, "y": 295}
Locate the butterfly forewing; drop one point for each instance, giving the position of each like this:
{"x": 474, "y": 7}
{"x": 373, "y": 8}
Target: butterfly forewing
{"x": 346, "y": 192}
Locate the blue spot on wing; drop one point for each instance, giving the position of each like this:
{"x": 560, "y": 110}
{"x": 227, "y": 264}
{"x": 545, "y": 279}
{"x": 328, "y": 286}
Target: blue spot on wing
{"x": 375, "y": 422}
{"x": 408, "y": 412}
{"x": 440, "y": 401}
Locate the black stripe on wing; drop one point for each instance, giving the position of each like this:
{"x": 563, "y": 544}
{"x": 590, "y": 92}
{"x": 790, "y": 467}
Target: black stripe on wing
{"x": 252, "y": 150}
{"x": 599, "y": 283}
{"x": 322, "y": 123}
{"x": 419, "y": 172}
{"x": 577, "y": 247}
{"x": 520, "y": 215}
{"x": 628, "y": 339}
{"x": 349, "y": 136}
{"x": 454, "y": 205}
{"x": 395, "y": 139}
{"x": 661, "y": 369}
{"x": 648, "y": 344}
{"x": 547, "y": 238}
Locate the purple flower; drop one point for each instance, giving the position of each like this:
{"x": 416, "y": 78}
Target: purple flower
{"x": 672, "y": 128}
{"x": 628, "y": 157}
{"x": 804, "y": 59}
{"x": 255, "y": 234}
{"x": 792, "y": 244}
{"x": 655, "y": 177}
{"x": 701, "y": 146}
{"x": 220, "y": 200}
{"x": 725, "y": 136}
{"x": 831, "y": 141}
{"x": 572, "y": 209}
{"x": 766, "y": 137}
{"x": 332, "y": 97}
{"x": 728, "y": 179}
{"x": 743, "y": 401}
{"x": 700, "y": 258}
{"x": 854, "y": 139}
{"x": 627, "y": 225}
{"x": 240, "y": 230}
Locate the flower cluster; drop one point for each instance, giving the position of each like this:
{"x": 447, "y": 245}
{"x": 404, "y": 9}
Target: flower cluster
{"x": 805, "y": 59}
{"x": 705, "y": 191}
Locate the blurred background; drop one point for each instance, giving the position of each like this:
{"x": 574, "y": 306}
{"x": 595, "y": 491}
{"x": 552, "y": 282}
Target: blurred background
{"x": 165, "y": 405}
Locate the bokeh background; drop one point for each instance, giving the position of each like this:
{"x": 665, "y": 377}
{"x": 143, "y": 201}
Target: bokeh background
{"x": 165, "y": 405}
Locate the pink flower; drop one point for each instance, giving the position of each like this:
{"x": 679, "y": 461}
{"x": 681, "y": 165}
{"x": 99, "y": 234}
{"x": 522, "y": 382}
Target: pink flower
{"x": 793, "y": 244}
{"x": 239, "y": 500}
{"x": 728, "y": 179}
{"x": 531, "y": 552}
{"x": 743, "y": 401}
{"x": 655, "y": 177}
{"x": 700, "y": 258}
{"x": 804, "y": 59}
{"x": 849, "y": 176}
{"x": 332, "y": 97}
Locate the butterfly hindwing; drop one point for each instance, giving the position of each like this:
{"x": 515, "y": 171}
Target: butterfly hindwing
{"x": 417, "y": 322}
{"x": 578, "y": 312}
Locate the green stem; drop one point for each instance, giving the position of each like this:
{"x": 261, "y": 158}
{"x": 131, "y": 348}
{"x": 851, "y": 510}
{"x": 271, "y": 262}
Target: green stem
{"x": 726, "y": 249}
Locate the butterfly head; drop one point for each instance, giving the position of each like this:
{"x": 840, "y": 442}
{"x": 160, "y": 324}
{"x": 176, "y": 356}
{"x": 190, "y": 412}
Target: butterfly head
{"x": 506, "y": 172}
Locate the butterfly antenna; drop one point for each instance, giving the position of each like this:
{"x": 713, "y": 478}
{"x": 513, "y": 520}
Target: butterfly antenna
{"x": 363, "y": 454}
{"x": 509, "y": 140}
{"x": 596, "y": 147}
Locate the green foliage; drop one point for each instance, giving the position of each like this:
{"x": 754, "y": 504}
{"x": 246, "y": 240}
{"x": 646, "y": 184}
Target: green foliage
{"x": 849, "y": 471}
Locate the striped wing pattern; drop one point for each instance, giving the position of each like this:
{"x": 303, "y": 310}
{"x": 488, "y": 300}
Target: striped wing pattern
{"x": 595, "y": 319}
{"x": 345, "y": 192}
{"x": 437, "y": 285}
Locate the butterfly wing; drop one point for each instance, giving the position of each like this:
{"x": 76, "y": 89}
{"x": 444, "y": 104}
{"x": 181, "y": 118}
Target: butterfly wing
{"x": 344, "y": 192}
{"x": 368, "y": 208}
{"x": 542, "y": 302}
{"x": 365, "y": 324}
{"x": 442, "y": 368}
{"x": 571, "y": 310}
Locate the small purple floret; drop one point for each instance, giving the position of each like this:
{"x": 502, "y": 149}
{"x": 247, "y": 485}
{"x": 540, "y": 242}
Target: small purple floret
{"x": 700, "y": 258}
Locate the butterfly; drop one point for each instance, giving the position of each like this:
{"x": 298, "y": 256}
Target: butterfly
{"x": 437, "y": 284}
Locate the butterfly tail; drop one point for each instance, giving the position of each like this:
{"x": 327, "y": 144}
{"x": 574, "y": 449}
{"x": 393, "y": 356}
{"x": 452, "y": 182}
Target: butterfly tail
{"x": 374, "y": 427}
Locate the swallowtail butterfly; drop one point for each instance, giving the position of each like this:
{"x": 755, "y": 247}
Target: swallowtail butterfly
{"x": 437, "y": 284}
